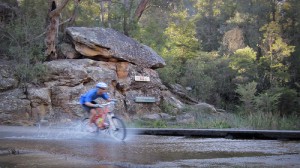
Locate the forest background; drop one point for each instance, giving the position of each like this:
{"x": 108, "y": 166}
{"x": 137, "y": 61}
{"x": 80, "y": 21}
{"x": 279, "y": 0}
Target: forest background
{"x": 240, "y": 56}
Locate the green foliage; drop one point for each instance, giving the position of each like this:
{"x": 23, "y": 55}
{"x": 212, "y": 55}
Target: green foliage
{"x": 197, "y": 76}
{"x": 30, "y": 73}
{"x": 244, "y": 62}
{"x": 145, "y": 30}
{"x": 211, "y": 17}
{"x": 214, "y": 123}
{"x": 281, "y": 101}
{"x": 289, "y": 102}
{"x": 275, "y": 52}
{"x": 171, "y": 72}
{"x": 22, "y": 46}
{"x": 247, "y": 97}
{"x": 166, "y": 108}
{"x": 223, "y": 93}
{"x": 9, "y": 1}
{"x": 208, "y": 75}
{"x": 87, "y": 14}
{"x": 181, "y": 41}
{"x": 219, "y": 124}
{"x": 272, "y": 121}
{"x": 267, "y": 102}
{"x": 150, "y": 124}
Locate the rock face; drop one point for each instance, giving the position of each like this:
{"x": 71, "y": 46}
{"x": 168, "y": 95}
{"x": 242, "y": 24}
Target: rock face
{"x": 58, "y": 95}
{"x": 109, "y": 44}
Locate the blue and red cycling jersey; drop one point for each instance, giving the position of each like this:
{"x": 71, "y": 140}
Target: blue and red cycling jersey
{"x": 92, "y": 95}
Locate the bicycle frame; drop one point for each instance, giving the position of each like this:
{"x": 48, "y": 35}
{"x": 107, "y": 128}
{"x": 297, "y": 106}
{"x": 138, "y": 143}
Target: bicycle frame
{"x": 101, "y": 113}
{"x": 104, "y": 112}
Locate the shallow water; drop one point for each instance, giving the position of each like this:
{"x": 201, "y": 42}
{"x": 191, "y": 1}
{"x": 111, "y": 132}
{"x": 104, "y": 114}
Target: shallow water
{"x": 65, "y": 147}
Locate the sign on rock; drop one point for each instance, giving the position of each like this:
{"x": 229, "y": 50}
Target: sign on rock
{"x": 145, "y": 99}
{"x": 142, "y": 78}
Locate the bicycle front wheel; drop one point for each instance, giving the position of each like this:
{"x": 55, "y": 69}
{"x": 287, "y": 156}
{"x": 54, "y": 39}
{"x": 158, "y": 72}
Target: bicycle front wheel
{"x": 117, "y": 129}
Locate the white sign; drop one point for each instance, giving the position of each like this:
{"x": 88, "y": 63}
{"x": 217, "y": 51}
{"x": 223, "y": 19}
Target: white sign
{"x": 142, "y": 78}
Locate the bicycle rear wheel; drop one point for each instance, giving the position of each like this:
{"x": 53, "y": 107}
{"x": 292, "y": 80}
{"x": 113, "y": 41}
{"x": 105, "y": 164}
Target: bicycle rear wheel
{"x": 119, "y": 132}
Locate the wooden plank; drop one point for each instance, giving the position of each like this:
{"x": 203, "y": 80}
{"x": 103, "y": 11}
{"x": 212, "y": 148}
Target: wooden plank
{"x": 142, "y": 78}
{"x": 145, "y": 100}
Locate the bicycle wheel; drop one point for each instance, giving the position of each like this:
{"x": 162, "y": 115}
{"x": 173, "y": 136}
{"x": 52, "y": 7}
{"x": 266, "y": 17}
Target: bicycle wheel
{"x": 85, "y": 126}
{"x": 119, "y": 132}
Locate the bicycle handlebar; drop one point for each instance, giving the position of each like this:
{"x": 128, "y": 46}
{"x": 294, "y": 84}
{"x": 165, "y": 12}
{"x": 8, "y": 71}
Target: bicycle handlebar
{"x": 113, "y": 101}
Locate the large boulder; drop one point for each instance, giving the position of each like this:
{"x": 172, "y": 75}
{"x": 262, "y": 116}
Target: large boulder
{"x": 108, "y": 44}
{"x": 68, "y": 79}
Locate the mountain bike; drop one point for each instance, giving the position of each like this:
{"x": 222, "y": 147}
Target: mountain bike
{"x": 114, "y": 126}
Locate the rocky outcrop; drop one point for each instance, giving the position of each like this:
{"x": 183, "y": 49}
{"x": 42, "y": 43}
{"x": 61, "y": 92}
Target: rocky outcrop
{"x": 182, "y": 94}
{"x": 57, "y": 97}
{"x": 108, "y": 44}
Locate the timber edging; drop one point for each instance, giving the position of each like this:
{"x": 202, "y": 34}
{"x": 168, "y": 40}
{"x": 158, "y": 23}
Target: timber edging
{"x": 221, "y": 133}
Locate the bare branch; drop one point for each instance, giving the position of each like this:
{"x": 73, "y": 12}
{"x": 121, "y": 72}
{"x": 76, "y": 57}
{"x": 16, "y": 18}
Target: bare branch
{"x": 28, "y": 41}
{"x": 58, "y": 9}
{"x": 74, "y": 14}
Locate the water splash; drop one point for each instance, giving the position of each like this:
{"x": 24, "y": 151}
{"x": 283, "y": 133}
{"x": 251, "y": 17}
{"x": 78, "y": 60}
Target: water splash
{"x": 69, "y": 131}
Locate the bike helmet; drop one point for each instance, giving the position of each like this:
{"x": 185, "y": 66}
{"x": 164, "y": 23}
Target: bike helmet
{"x": 101, "y": 85}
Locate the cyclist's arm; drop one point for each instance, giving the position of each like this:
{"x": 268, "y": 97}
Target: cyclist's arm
{"x": 90, "y": 104}
{"x": 106, "y": 97}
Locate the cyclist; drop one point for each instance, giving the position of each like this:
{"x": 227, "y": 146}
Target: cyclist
{"x": 88, "y": 103}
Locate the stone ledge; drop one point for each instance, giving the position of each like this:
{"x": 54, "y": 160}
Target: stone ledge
{"x": 222, "y": 133}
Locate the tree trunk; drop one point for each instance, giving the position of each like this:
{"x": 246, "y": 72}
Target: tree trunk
{"x": 126, "y": 17}
{"x": 52, "y": 28}
{"x": 140, "y": 9}
{"x": 104, "y": 11}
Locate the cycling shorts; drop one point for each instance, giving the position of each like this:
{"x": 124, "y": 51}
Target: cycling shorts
{"x": 88, "y": 108}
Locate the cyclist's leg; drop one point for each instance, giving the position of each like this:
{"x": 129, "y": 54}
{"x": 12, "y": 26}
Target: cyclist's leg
{"x": 88, "y": 127}
{"x": 92, "y": 115}
{"x": 103, "y": 115}
{"x": 91, "y": 112}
